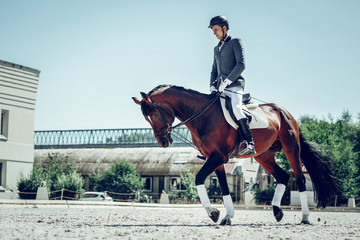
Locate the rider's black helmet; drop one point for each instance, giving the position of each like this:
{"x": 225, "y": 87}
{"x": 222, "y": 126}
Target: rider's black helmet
{"x": 219, "y": 20}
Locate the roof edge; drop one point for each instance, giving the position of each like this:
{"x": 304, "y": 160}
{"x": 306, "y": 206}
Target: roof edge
{"x": 20, "y": 67}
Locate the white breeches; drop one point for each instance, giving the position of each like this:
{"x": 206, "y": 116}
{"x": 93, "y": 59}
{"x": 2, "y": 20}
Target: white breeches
{"x": 236, "y": 96}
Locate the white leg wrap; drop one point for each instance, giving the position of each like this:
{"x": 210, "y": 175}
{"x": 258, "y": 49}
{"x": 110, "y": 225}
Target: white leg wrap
{"x": 304, "y": 203}
{"x": 279, "y": 192}
{"x": 228, "y": 203}
{"x": 203, "y": 195}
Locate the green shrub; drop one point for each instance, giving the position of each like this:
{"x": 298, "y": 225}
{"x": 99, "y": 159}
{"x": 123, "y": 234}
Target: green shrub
{"x": 59, "y": 174}
{"x": 58, "y": 166}
{"x": 264, "y": 197}
{"x": 27, "y": 188}
{"x": 176, "y": 197}
{"x": 188, "y": 181}
{"x": 120, "y": 178}
{"x": 28, "y": 185}
{"x": 143, "y": 198}
{"x": 72, "y": 182}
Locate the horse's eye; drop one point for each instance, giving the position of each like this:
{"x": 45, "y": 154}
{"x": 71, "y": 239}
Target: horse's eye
{"x": 156, "y": 115}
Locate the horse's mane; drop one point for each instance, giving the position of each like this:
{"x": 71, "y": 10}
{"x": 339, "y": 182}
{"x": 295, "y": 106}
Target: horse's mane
{"x": 163, "y": 87}
{"x": 158, "y": 88}
{"x": 146, "y": 109}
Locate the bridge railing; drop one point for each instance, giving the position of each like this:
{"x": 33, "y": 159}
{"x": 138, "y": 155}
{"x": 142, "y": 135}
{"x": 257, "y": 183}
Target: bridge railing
{"x": 102, "y": 138}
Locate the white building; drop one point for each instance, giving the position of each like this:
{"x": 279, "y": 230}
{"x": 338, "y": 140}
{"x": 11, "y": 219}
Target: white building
{"x": 18, "y": 89}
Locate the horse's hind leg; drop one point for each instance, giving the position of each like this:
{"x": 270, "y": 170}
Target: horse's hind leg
{"x": 289, "y": 137}
{"x": 228, "y": 203}
{"x": 294, "y": 159}
{"x": 267, "y": 161}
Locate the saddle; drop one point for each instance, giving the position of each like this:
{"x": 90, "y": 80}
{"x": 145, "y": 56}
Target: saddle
{"x": 246, "y": 101}
{"x": 254, "y": 114}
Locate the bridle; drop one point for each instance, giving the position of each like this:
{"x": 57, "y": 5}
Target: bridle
{"x": 168, "y": 127}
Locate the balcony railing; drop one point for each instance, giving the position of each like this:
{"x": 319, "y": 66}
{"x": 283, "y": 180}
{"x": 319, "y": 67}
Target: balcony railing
{"x": 102, "y": 138}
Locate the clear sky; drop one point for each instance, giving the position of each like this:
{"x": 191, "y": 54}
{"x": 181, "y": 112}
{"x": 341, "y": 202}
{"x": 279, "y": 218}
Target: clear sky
{"x": 95, "y": 55}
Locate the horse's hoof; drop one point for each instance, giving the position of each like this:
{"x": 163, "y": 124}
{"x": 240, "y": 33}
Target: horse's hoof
{"x": 278, "y": 213}
{"x": 226, "y": 221}
{"x": 213, "y": 213}
{"x": 305, "y": 219}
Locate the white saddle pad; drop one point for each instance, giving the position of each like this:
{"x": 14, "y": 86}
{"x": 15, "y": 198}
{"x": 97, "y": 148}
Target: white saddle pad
{"x": 259, "y": 119}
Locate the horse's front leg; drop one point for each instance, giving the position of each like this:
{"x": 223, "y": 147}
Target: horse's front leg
{"x": 228, "y": 203}
{"x": 213, "y": 213}
{"x": 213, "y": 162}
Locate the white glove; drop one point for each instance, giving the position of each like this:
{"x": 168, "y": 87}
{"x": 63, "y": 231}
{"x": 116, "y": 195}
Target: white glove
{"x": 224, "y": 84}
{"x": 213, "y": 89}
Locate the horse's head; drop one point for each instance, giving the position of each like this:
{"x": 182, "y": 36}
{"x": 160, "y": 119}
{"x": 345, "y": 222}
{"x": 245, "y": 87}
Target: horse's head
{"x": 160, "y": 117}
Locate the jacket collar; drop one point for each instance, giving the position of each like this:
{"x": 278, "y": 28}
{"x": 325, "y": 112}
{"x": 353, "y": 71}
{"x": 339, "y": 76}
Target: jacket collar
{"x": 227, "y": 39}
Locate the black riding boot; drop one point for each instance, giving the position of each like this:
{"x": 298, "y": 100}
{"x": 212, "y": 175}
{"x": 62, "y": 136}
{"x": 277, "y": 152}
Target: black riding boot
{"x": 247, "y": 145}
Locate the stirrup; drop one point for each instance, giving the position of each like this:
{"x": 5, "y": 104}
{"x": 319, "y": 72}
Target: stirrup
{"x": 247, "y": 149}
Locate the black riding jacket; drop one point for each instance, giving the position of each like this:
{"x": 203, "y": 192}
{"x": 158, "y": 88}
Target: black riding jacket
{"x": 229, "y": 62}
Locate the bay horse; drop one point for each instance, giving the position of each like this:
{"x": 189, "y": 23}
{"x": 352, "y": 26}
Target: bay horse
{"x": 215, "y": 139}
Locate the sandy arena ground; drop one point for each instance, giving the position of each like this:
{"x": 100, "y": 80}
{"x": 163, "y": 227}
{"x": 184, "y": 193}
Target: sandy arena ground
{"x": 129, "y": 222}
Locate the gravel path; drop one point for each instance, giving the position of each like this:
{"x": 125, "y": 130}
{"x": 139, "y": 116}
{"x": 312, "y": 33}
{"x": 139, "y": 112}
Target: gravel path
{"x": 119, "y": 222}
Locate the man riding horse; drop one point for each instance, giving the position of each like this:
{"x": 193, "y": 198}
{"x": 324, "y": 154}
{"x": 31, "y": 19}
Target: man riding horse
{"x": 227, "y": 67}
{"x": 215, "y": 138}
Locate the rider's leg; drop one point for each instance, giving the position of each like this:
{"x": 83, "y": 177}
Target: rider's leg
{"x": 247, "y": 146}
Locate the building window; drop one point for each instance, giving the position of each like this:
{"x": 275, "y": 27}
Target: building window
{"x": 214, "y": 183}
{"x": 4, "y": 125}
{"x": 175, "y": 184}
{"x": 148, "y": 182}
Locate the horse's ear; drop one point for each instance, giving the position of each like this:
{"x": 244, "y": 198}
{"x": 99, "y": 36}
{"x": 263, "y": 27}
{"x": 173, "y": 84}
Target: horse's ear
{"x": 137, "y": 101}
{"x": 146, "y": 98}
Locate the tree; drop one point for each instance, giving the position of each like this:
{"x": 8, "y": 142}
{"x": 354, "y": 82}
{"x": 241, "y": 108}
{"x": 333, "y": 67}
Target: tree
{"x": 120, "y": 178}
{"x": 59, "y": 165}
{"x": 340, "y": 141}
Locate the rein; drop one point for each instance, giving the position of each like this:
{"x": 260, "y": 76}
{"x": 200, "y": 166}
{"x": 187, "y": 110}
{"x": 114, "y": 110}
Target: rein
{"x": 198, "y": 113}
{"x": 243, "y": 94}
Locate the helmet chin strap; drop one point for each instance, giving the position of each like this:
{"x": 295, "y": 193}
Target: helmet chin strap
{"x": 224, "y": 35}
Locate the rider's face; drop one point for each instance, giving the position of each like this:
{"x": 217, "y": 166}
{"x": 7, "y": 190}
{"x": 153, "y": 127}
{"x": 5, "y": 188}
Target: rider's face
{"x": 218, "y": 32}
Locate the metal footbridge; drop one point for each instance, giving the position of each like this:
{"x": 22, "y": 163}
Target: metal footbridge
{"x": 103, "y": 138}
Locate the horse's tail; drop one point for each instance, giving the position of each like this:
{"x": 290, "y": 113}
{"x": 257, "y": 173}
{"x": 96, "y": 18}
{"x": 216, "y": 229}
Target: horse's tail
{"x": 318, "y": 166}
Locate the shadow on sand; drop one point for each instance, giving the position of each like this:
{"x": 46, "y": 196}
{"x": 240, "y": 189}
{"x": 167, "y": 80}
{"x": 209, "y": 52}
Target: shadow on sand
{"x": 249, "y": 225}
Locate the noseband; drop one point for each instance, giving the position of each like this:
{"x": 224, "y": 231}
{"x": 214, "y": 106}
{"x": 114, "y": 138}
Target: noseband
{"x": 167, "y": 126}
